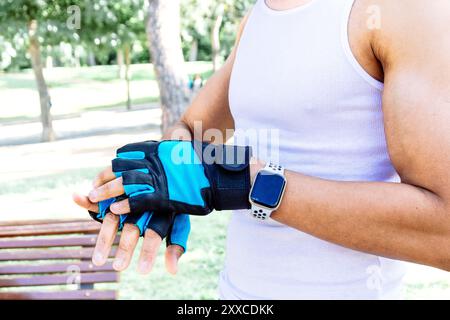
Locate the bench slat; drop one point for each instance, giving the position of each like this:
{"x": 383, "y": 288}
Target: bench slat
{"x": 43, "y": 254}
{"x": 85, "y": 241}
{"x": 19, "y": 223}
{"x": 59, "y": 279}
{"x": 81, "y": 233}
{"x": 49, "y": 229}
{"x": 61, "y": 295}
{"x": 54, "y": 268}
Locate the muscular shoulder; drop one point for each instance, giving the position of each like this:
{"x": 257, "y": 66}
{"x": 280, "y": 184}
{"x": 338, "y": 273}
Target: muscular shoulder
{"x": 410, "y": 29}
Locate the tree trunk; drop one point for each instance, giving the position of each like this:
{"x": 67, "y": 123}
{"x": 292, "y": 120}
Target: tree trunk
{"x": 120, "y": 63}
{"x": 91, "y": 59}
{"x": 36, "y": 60}
{"x": 127, "y": 74}
{"x": 49, "y": 62}
{"x": 215, "y": 38}
{"x": 193, "y": 51}
{"x": 163, "y": 31}
{"x": 76, "y": 57}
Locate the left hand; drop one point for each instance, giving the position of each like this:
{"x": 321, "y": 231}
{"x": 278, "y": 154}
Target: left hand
{"x": 174, "y": 176}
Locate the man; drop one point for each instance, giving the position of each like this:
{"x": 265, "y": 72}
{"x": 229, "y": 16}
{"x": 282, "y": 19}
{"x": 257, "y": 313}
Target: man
{"x": 359, "y": 92}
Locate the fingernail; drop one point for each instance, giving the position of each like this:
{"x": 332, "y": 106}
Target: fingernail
{"x": 98, "y": 258}
{"x": 92, "y": 195}
{"x": 174, "y": 271}
{"x": 118, "y": 263}
{"x": 174, "y": 267}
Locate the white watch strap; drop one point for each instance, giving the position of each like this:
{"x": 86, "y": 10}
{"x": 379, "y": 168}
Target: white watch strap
{"x": 275, "y": 168}
{"x": 260, "y": 212}
{"x": 263, "y": 213}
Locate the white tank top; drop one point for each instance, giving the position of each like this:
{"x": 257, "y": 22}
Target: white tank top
{"x": 295, "y": 77}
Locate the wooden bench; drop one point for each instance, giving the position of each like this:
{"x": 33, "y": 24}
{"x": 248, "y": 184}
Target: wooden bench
{"x": 55, "y": 254}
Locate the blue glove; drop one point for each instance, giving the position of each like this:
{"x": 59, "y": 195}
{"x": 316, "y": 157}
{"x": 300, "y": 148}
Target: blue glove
{"x": 184, "y": 176}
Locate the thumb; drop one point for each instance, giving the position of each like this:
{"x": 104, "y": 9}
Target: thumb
{"x": 84, "y": 202}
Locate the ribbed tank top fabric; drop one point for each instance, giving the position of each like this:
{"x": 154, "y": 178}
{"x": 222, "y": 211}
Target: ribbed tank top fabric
{"x": 297, "y": 88}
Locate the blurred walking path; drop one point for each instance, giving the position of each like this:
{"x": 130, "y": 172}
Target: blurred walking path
{"x": 37, "y": 179}
{"x": 108, "y": 121}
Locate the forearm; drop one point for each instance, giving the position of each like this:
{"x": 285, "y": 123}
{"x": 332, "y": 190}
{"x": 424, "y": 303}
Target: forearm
{"x": 180, "y": 131}
{"x": 208, "y": 117}
{"x": 389, "y": 219}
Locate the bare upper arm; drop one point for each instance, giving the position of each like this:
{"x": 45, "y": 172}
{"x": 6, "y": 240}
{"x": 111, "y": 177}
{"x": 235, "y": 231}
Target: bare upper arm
{"x": 211, "y": 105}
{"x": 413, "y": 45}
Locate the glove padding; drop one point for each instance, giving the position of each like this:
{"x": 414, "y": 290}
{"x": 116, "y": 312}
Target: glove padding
{"x": 184, "y": 176}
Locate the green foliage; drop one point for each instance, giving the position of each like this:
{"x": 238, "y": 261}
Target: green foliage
{"x": 105, "y": 28}
{"x": 112, "y": 24}
{"x": 51, "y": 16}
{"x": 198, "y": 17}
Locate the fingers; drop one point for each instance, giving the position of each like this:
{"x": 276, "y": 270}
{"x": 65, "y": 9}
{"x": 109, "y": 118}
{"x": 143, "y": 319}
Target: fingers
{"x": 121, "y": 207}
{"x": 103, "y": 177}
{"x": 84, "y": 202}
{"x": 177, "y": 241}
{"x": 109, "y": 190}
{"x": 173, "y": 254}
{"x": 127, "y": 244}
{"x": 150, "y": 246}
{"x": 105, "y": 239}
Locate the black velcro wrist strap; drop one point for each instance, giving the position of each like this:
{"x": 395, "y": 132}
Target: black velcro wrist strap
{"x": 228, "y": 170}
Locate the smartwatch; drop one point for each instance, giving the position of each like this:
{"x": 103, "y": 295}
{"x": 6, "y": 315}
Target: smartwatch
{"x": 267, "y": 191}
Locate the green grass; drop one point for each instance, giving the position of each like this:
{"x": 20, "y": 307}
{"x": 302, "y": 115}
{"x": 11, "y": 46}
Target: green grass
{"x": 138, "y": 101}
{"x": 75, "y": 90}
{"x": 48, "y": 183}
{"x": 68, "y": 76}
{"x": 198, "y": 269}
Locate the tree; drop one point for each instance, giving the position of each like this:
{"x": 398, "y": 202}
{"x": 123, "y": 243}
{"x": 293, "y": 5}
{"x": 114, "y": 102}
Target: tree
{"x": 36, "y": 22}
{"x": 114, "y": 26}
{"x": 215, "y": 36}
{"x": 163, "y": 31}
{"x": 130, "y": 25}
{"x": 212, "y": 26}
{"x": 48, "y": 133}
{"x": 195, "y": 24}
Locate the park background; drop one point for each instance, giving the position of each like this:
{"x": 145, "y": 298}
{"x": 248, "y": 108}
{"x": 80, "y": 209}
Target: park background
{"x": 77, "y": 81}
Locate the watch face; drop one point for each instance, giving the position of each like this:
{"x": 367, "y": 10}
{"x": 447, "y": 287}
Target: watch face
{"x": 267, "y": 189}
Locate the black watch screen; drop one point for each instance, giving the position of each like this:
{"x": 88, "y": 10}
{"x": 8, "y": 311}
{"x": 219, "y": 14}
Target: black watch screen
{"x": 268, "y": 189}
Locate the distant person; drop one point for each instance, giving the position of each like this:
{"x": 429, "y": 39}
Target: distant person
{"x": 196, "y": 83}
{"x": 191, "y": 83}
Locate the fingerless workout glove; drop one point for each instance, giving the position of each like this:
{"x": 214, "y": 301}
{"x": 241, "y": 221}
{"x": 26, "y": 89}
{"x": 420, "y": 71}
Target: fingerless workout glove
{"x": 184, "y": 176}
